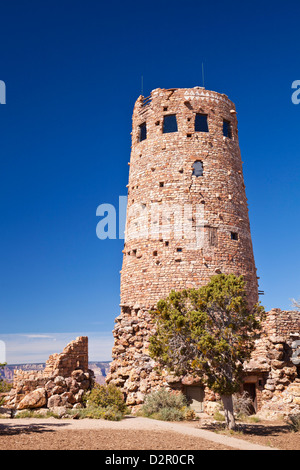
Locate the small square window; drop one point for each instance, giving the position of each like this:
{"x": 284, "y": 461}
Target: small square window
{"x": 227, "y": 129}
{"x": 170, "y": 123}
{"x": 179, "y": 250}
{"x": 161, "y": 184}
{"x": 201, "y": 123}
{"x": 234, "y": 236}
{"x": 143, "y": 132}
{"x": 198, "y": 168}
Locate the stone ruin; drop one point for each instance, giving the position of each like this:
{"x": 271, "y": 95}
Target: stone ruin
{"x": 60, "y": 385}
{"x": 272, "y": 376}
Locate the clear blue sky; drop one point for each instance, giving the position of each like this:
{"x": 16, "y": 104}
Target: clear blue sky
{"x": 73, "y": 72}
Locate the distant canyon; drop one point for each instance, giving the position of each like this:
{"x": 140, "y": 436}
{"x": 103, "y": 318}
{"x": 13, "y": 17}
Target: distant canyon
{"x": 100, "y": 370}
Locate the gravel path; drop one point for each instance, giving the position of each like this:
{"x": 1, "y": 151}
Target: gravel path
{"x": 140, "y": 433}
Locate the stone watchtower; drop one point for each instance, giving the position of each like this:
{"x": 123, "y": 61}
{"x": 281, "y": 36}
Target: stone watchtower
{"x": 187, "y": 217}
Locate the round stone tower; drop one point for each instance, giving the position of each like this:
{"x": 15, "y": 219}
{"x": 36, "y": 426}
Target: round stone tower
{"x": 187, "y": 216}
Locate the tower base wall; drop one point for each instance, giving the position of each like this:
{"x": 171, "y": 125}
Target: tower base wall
{"x": 273, "y": 373}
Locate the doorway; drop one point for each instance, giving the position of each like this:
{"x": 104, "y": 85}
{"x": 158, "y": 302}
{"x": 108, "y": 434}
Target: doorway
{"x": 250, "y": 388}
{"x": 195, "y": 397}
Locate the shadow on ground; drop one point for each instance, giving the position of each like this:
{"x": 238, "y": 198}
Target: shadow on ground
{"x": 251, "y": 429}
{"x": 16, "y": 429}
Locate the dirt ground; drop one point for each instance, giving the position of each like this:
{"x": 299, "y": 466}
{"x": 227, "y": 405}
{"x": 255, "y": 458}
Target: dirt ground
{"x": 105, "y": 439}
{"x": 136, "y": 434}
{"x": 276, "y": 434}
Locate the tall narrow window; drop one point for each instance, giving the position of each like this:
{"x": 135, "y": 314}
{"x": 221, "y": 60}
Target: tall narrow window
{"x": 201, "y": 123}
{"x": 170, "y": 123}
{"x": 213, "y": 236}
{"x": 198, "y": 168}
{"x": 143, "y": 131}
{"x": 227, "y": 129}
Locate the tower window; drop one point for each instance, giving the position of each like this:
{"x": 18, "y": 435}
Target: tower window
{"x": 143, "y": 132}
{"x": 170, "y": 123}
{"x": 234, "y": 236}
{"x": 227, "y": 129}
{"x": 198, "y": 168}
{"x": 213, "y": 236}
{"x": 201, "y": 123}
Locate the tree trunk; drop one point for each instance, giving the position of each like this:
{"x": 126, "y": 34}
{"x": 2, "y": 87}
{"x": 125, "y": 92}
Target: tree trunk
{"x": 228, "y": 409}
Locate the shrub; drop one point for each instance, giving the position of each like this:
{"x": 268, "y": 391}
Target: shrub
{"x": 91, "y": 412}
{"x": 165, "y": 405}
{"x": 218, "y": 416}
{"x": 242, "y": 404}
{"x": 163, "y": 398}
{"x": 170, "y": 414}
{"x": 5, "y": 387}
{"x": 103, "y": 402}
{"x": 253, "y": 419}
{"x": 294, "y": 422}
{"x": 36, "y": 414}
{"x": 110, "y": 413}
{"x": 106, "y": 396}
{"x": 190, "y": 414}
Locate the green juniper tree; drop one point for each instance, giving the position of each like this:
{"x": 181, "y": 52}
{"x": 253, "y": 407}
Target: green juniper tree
{"x": 208, "y": 332}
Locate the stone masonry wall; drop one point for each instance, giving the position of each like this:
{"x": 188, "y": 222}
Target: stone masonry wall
{"x": 276, "y": 362}
{"x": 182, "y": 229}
{"x": 271, "y": 368}
{"x": 74, "y": 356}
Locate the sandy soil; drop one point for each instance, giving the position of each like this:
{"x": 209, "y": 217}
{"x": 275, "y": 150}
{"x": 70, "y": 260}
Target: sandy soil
{"x": 137, "y": 434}
{"x": 89, "y": 434}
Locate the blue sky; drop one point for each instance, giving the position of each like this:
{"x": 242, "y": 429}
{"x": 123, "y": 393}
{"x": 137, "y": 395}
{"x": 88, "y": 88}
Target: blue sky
{"x": 73, "y": 72}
